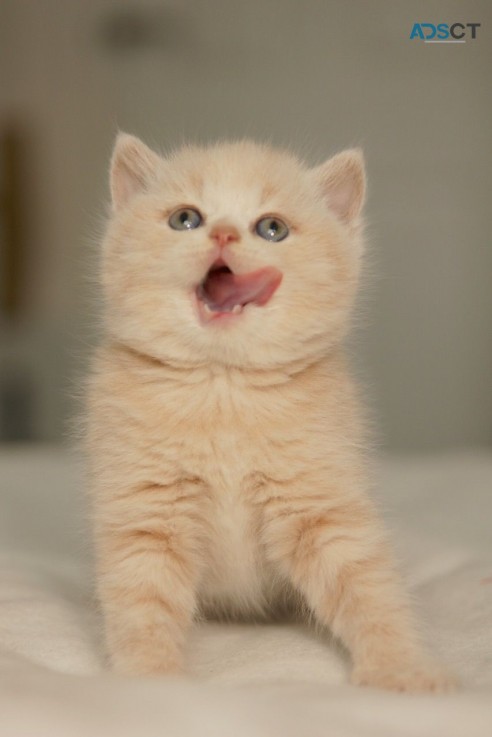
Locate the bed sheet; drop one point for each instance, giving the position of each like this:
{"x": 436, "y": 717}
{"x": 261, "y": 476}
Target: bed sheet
{"x": 274, "y": 679}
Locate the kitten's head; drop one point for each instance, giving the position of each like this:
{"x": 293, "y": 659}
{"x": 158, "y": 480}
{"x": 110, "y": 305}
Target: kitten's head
{"x": 236, "y": 253}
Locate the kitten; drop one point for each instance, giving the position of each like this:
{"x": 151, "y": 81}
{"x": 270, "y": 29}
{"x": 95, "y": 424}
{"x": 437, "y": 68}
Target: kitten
{"x": 224, "y": 434}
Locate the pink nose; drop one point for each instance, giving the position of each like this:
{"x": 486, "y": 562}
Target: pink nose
{"x": 224, "y": 234}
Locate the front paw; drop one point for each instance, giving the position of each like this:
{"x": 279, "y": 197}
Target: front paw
{"x": 145, "y": 663}
{"x": 415, "y": 677}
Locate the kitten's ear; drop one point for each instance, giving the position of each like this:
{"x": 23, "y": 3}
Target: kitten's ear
{"x": 342, "y": 181}
{"x": 133, "y": 166}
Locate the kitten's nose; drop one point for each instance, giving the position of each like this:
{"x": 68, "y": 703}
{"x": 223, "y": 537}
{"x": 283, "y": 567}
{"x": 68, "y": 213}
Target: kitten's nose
{"x": 223, "y": 234}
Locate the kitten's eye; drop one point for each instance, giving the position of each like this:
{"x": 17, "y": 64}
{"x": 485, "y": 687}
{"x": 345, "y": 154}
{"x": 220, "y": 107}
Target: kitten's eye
{"x": 186, "y": 218}
{"x": 272, "y": 229}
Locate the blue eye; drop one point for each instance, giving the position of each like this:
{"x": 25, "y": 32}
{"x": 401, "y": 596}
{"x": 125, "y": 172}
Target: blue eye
{"x": 186, "y": 218}
{"x": 272, "y": 229}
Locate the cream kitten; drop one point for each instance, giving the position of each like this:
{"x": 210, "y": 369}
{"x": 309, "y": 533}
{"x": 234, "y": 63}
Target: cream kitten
{"x": 224, "y": 433}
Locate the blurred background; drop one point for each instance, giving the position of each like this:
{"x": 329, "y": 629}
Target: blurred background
{"x": 317, "y": 76}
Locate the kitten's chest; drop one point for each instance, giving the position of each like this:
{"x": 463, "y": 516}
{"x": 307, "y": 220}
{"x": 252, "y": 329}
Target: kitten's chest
{"x": 226, "y": 460}
{"x": 235, "y": 578}
{"x": 222, "y": 434}
{"x": 228, "y": 445}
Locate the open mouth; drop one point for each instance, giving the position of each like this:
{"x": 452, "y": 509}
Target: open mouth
{"x": 222, "y": 292}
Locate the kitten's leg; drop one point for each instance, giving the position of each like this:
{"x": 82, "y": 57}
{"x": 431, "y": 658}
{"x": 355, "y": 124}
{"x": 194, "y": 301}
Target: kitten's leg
{"x": 149, "y": 550}
{"x": 335, "y": 556}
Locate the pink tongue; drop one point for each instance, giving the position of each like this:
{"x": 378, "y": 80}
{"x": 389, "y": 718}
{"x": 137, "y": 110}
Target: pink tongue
{"x": 224, "y": 290}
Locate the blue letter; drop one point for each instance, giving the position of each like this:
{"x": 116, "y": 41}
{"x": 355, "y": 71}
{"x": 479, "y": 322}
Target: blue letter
{"x": 432, "y": 27}
{"x": 417, "y": 31}
{"x": 443, "y": 29}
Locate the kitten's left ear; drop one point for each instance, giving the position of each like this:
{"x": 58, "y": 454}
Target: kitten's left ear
{"x": 342, "y": 181}
{"x": 133, "y": 166}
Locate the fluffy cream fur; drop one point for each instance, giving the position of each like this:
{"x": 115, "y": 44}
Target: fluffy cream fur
{"x": 227, "y": 458}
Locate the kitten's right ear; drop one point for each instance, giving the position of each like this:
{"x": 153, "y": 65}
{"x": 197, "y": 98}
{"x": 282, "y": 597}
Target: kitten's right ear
{"x": 133, "y": 166}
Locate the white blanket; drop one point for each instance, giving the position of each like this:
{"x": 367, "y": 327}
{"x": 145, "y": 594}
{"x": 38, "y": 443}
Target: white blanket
{"x": 272, "y": 680}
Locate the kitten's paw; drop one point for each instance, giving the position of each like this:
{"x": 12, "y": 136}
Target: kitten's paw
{"x": 418, "y": 677}
{"x": 149, "y": 665}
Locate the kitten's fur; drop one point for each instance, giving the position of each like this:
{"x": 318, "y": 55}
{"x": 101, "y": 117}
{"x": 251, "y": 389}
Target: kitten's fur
{"x": 227, "y": 458}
